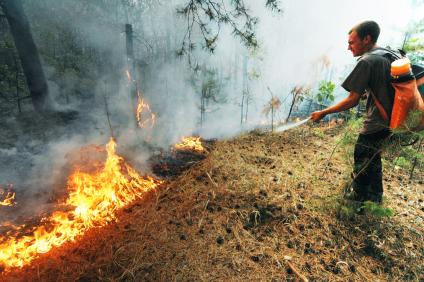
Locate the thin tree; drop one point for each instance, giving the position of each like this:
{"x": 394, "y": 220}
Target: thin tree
{"x": 297, "y": 93}
{"x": 271, "y": 107}
{"x": 245, "y": 90}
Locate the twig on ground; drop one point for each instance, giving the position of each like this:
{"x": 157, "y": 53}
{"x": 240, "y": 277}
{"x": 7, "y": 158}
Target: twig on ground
{"x": 331, "y": 156}
{"x": 415, "y": 162}
{"x": 298, "y": 274}
{"x": 210, "y": 178}
{"x": 203, "y": 213}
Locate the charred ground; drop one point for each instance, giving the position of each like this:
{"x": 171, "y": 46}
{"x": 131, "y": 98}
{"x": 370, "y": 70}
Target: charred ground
{"x": 254, "y": 208}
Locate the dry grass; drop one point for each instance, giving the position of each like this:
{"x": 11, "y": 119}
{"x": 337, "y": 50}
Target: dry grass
{"x": 256, "y": 208}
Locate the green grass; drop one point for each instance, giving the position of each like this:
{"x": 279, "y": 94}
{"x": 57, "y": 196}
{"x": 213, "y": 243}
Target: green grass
{"x": 377, "y": 210}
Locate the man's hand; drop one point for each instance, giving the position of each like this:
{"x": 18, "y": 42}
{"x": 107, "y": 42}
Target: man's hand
{"x": 345, "y": 104}
{"x": 317, "y": 116}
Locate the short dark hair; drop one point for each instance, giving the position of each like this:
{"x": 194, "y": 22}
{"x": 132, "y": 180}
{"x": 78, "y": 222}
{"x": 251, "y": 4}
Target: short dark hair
{"x": 370, "y": 28}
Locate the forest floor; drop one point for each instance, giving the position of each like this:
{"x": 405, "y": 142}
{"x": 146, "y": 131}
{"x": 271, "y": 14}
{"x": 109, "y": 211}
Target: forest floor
{"x": 258, "y": 207}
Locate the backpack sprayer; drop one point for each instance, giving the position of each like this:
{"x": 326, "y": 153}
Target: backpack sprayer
{"x": 408, "y": 100}
{"x": 408, "y": 107}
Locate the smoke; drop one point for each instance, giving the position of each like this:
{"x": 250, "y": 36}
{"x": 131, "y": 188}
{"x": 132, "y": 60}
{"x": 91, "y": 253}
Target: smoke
{"x": 301, "y": 46}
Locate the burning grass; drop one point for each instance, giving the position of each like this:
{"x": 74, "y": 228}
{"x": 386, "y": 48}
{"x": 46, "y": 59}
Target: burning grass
{"x": 258, "y": 207}
{"x": 92, "y": 202}
{"x": 145, "y": 116}
{"x": 191, "y": 143}
{"x": 181, "y": 157}
{"x": 7, "y": 198}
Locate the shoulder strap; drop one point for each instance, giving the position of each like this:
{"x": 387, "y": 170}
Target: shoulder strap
{"x": 380, "y": 107}
{"x": 390, "y": 54}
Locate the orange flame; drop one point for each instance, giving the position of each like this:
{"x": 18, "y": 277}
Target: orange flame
{"x": 145, "y": 116}
{"x": 190, "y": 143}
{"x": 94, "y": 198}
{"x": 8, "y": 198}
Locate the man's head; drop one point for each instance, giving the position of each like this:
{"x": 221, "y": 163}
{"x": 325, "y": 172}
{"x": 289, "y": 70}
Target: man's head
{"x": 363, "y": 37}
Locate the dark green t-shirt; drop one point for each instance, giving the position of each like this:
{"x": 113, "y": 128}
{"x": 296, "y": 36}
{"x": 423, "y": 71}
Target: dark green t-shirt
{"x": 372, "y": 73}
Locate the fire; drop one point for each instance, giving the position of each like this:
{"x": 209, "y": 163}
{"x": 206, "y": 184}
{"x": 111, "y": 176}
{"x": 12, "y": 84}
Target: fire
{"x": 190, "y": 143}
{"x": 145, "y": 117}
{"x": 7, "y": 198}
{"x": 93, "y": 199}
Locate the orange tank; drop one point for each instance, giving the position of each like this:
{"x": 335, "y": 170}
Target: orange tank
{"x": 400, "y": 67}
{"x": 407, "y": 97}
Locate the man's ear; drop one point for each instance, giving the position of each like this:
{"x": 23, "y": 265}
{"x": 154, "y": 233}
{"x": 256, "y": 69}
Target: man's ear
{"x": 367, "y": 39}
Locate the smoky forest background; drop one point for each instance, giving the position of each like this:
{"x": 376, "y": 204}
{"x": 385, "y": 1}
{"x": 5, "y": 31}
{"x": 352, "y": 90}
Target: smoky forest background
{"x": 235, "y": 73}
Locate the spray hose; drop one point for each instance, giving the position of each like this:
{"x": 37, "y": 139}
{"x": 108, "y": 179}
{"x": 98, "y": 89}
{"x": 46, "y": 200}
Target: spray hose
{"x": 291, "y": 125}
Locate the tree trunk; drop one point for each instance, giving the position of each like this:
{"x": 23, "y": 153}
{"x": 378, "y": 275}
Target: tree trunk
{"x": 28, "y": 53}
{"x": 133, "y": 77}
{"x": 244, "y": 87}
{"x": 272, "y": 115}
{"x": 291, "y": 107}
{"x": 241, "y": 108}
{"x": 18, "y": 99}
{"x": 247, "y": 106}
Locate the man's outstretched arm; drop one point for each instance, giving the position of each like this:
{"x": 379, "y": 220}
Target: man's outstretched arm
{"x": 349, "y": 102}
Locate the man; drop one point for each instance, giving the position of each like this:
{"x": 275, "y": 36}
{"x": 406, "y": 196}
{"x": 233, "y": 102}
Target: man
{"x": 371, "y": 76}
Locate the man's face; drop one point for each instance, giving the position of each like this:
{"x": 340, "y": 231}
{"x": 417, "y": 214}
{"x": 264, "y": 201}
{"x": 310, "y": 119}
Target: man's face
{"x": 357, "y": 45}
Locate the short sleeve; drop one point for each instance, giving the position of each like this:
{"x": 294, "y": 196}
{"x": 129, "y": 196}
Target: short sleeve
{"x": 358, "y": 79}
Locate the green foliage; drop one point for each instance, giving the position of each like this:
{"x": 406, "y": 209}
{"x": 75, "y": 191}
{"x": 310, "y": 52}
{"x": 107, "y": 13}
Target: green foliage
{"x": 414, "y": 119}
{"x": 318, "y": 133}
{"x": 351, "y": 131}
{"x": 349, "y": 209}
{"x": 414, "y": 155}
{"x": 325, "y": 91}
{"x": 414, "y": 42}
{"x": 403, "y": 149}
{"x": 377, "y": 210}
{"x": 402, "y": 162}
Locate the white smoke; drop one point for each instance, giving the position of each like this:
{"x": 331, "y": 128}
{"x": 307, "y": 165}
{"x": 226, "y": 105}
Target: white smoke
{"x": 304, "y": 44}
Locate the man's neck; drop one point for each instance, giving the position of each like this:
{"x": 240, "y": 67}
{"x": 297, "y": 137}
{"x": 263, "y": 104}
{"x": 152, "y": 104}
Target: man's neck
{"x": 372, "y": 47}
